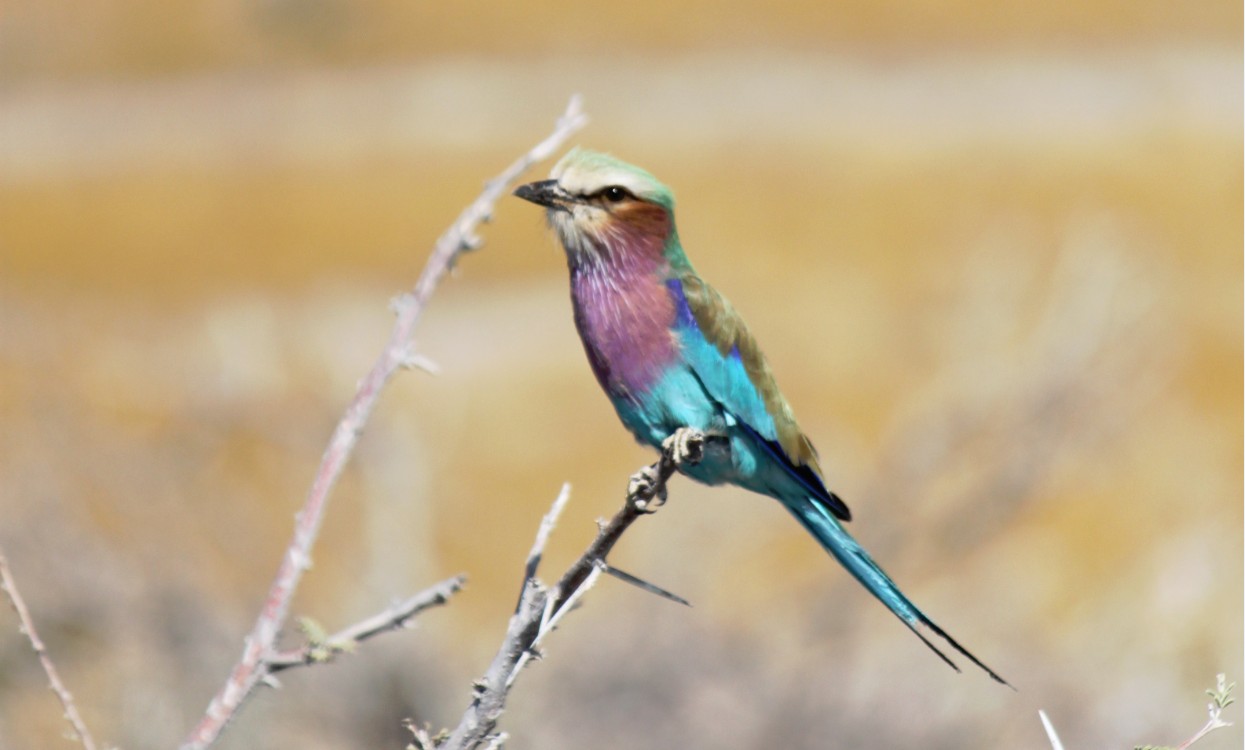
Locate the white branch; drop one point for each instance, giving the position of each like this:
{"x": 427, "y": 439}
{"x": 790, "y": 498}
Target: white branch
{"x": 253, "y": 667}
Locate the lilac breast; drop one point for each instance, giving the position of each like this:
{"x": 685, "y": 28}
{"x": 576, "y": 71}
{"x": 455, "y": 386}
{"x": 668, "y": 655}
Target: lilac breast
{"x": 624, "y": 314}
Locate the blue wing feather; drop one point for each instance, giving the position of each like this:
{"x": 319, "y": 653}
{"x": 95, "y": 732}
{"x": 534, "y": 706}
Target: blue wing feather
{"x": 724, "y": 377}
{"x": 726, "y": 381}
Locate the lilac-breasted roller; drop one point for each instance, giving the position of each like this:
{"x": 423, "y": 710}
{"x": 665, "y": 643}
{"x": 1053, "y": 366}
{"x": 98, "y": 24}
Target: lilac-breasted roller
{"x": 671, "y": 353}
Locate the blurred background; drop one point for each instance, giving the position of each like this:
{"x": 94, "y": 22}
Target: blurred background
{"x": 993, "y": 251}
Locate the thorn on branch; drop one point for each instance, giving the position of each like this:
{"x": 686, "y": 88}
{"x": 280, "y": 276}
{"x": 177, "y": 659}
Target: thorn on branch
{"x": 470, "y": 240}
{"x": 684, "y": 447}
{"x": 539, "y": 612}
{"x": 642, "y": 584}
{"x": 496, "y": 741}
{"x": 401, "y": 303}
{"x": 420, "y": 738}
{"x": 413, "y": 360}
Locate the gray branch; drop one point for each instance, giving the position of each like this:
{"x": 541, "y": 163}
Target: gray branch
{"x": 321, "y": 649}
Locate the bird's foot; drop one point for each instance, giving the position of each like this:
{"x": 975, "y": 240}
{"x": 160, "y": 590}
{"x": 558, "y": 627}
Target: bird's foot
{"x": 646, "y": 490}
{"x": 686, "y": 446}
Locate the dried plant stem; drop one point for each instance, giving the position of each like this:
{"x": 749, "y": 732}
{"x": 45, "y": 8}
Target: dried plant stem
{"x": 253, "y": 667}
{"x": 77, "y": 725}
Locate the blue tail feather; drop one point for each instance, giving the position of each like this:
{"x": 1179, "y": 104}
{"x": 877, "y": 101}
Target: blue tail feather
{"x": 835, "y": 539}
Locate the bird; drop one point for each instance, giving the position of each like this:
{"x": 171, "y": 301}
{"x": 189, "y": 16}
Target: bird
{"x": 672, "y": 354}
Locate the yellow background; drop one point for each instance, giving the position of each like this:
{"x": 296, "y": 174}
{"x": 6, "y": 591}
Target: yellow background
{"x": 992, "y": 249}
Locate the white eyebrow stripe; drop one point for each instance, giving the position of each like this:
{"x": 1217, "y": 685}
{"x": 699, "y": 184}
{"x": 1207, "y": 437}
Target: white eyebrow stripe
{"x": 587, "y": 182}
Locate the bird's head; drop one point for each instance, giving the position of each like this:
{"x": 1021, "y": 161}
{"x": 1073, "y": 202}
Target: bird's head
{"x": 603, "y": 208}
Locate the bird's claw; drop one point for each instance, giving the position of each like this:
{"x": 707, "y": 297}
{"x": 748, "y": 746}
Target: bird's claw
{"x": 645, "y": 490}
{"x": 685, "y": 446}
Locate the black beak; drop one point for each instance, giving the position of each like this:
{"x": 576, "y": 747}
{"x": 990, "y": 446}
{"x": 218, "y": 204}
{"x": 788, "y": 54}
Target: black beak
{"x": 544, "y": 193}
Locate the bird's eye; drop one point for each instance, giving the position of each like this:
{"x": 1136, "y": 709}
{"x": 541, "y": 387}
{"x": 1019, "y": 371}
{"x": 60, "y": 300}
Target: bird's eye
{"x": 615, "y": 194}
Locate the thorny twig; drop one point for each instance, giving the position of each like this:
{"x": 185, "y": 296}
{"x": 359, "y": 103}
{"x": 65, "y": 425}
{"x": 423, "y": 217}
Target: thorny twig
{"x": 253, "y": 667}
{"x": 324, "y": 648}
{"x": 540, "y": 609}
{"x": 77, "y": 725}
{"x": 648, "y": 485}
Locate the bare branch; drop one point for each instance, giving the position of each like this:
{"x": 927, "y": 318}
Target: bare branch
{"x": 540, "y": 610}
{"x": 397, "y": 616}
{"x": 647, "y": 485}
{"x": 77, "y": 725}
{"x": 252, "y": 667}
{"x": 542, "y": 535}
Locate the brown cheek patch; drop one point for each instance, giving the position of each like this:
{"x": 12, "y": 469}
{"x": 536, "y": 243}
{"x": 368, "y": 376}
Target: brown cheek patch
{"x": 644, "y": 219}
